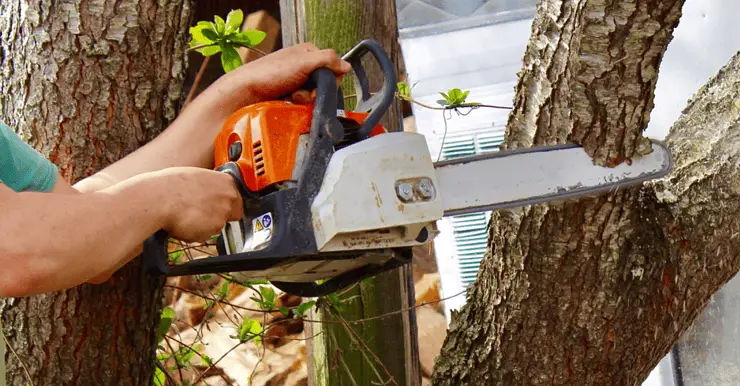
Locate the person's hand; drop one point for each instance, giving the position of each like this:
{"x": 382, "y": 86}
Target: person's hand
{"x": 276, "y": 75}
{"x": 200, "y": 202}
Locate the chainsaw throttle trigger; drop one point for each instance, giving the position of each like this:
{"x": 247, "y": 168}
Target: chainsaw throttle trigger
{"x": 379, "y": 103}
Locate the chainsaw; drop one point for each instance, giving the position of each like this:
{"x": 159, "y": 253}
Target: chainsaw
{"x": 331, "y": 197}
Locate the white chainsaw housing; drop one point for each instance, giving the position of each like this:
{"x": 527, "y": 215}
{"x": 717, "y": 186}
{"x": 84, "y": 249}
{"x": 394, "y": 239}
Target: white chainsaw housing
{"x": 358, "y": 206}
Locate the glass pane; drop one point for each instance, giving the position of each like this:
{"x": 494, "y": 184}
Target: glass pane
{"x": 420, "y": 17}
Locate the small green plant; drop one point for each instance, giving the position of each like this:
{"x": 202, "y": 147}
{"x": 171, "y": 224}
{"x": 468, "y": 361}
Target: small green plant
{"x": 250, "y": 329}
{"x": 403, "y": 89}
{"x": 300, "y": 311}
{"x": 210, "y": 38}
{"x": 267, "y": 302}
{"x": 453, "y": 98}
{"x": 165, "y": 321}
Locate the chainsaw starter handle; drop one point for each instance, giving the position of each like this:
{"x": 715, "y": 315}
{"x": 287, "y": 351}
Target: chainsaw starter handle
{"x": 379, "y": 103}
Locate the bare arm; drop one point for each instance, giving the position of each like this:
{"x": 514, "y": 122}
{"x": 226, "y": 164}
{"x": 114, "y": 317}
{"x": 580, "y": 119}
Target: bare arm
{"x": 188, "y": 141}
{"x": 57, "y": 240}
{"x": 119, "y": 259}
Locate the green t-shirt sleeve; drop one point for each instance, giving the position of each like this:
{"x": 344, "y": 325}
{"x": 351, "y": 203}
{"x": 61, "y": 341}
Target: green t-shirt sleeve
{"x": 22, "y": 168}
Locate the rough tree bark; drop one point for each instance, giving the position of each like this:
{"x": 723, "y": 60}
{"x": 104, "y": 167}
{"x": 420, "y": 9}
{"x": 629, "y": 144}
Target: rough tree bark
{"x": 87, "y": 82}
{"x": 336, "y": 358}
{"x": 595, "y": 291}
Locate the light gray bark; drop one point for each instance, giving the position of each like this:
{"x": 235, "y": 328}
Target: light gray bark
{"x": 85, "y": 83}
{"x": 595, "y": 291}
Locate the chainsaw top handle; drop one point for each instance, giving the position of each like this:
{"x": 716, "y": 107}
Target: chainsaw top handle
{"x": 379, "y": 103}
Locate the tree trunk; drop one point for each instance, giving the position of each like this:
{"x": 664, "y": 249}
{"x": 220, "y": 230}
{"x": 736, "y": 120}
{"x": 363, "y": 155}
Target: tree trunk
{"x": 337, "y": 358}
{"x": 595, "y": 291}
{"x": 87, "y": 83}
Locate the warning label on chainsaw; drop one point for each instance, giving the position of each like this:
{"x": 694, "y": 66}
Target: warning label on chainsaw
{"x": 261, "y": 231}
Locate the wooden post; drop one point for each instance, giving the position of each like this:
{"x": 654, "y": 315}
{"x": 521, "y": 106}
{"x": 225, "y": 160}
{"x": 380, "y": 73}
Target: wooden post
{"x": 262, "y": 21}
{"x": 336, "y": 357}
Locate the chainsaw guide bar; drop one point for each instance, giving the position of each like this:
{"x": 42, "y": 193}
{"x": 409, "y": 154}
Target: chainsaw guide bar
{"x": 331, "y": 198}
{"x": 522, "y": 177}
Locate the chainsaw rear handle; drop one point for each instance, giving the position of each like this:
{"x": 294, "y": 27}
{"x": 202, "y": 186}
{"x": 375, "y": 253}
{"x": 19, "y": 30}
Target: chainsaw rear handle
{"x": 155, "y": 253}
{"x": 326, "y": 130}
{"x": 379, "y": 103}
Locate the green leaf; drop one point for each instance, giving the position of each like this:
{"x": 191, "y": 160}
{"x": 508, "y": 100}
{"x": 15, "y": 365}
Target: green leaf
{"x": 334, "y": 300}
{"x": 209, "y": 304}
{"x": 284, "y": 310}
{"x": 184, "y": 355}
{"x": 255, "y": 37}
{"x": 209, "y": 50}
{"x": 212, "y": 37}
{"x": 165, "y": 321}
{"x": 230, "y": 59}
{"x": 207, "y": 360}
{"x": 234, "y": 21}
{"x": 267, "y": 302}
{"x": 223, "y": 292}
{"x": 206, "y": 277}
{"x": 199, "y": 38}
{"x": 159, "y": 377}
{"x": 403, "y": 88}
{"x": 455, "y": 94}
{"x": 300, "y": 311}
{"x": 174, "y": 256}
{"x": 220, "y": 25}
{"x": 249, "y": 329}
{"x": 268, "y": 293}
{"x": 247, "y": 38}
{"x": 240, "y": 39}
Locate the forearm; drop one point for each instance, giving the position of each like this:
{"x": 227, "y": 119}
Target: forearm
{"x": 188, "y": 141}
{"x": 56, "y": 241}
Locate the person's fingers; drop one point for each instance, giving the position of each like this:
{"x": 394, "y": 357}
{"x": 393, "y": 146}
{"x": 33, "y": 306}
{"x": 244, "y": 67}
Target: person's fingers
{"x": 306, "y": 47}
{"x": 327, "y": 58}
{"x": 301, "y": 97}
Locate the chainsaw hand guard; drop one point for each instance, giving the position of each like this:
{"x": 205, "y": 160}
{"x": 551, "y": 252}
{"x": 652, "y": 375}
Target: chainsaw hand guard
{"x": 379, "y": 103}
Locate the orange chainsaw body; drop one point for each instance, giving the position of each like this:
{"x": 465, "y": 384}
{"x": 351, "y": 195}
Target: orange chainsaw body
{"x": 267, "y": 135}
